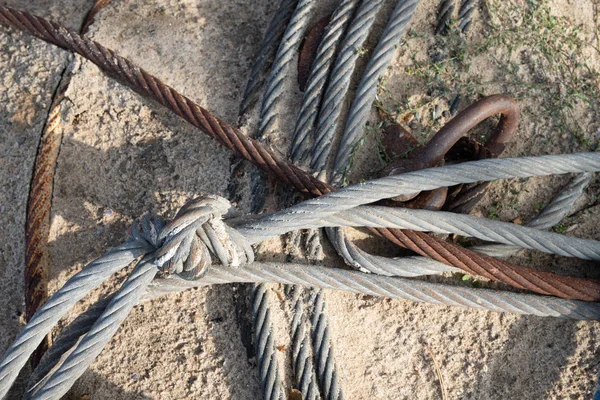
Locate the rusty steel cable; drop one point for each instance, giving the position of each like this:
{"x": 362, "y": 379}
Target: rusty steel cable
{"x": 465, "y": 14}
{"x": 149, "y": 85}
{"x": 39, "y": 203}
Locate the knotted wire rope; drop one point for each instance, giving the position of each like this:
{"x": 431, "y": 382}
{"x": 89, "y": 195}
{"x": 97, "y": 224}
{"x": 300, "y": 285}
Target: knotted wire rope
{"x": 180, "y": 247}
{"x": 148, "y": 85}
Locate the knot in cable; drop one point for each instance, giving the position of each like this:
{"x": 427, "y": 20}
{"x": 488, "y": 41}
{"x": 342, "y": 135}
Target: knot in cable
{"x": 196, "y": 234}
{"x": 148, "y": 228}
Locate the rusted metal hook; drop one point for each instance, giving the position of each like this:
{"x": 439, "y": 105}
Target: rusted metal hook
{"x": 446, "y": 138}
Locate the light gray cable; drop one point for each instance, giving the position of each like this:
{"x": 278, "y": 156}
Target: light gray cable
{"x": 232, "y": 247}
{"x": 52, "y": 311}
{"x": 322, "y": 343}
{"x": 384, "y": 286}
{"x": 63, "y": 344}
{"x": 465, "y": 225}
{"x": 269, "y": 113}
{"x": 309, "y": 212}
{"x": 102, "y": 331}
{"x": 268, "y": 365}
{"x": 356, "y": 282}
{"x": 365, "y": 262}
{"x": 288, "y": 48}
{"x": 366, "y": 92}
{"x": 320, "y": 69}
{"x": 551, "y": 215}
{"x": 319, "y": 72}
{"x": 290, "y": 43}
{"x": 266, "y": 52}
{"x": 339, "y": 82}
{"x": 304, "y": 369}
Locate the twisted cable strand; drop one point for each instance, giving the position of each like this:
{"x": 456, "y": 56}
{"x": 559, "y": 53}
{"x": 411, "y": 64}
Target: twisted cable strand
{"x": 355, "y": 282}
{"x": 367, "y": 88}
{"x": 267, "y": 50}
{"x": 365, "y": 262}
{"x": 551, "y": 215}
{"x": 465, "y": 14}
{"x": 101, "y": 332}
{"x": 303, "y": 214}
{"x": 288, "y": 47}
{"x": 301, "y": 142}
{"x": 326, "y": 365}
{"x": 392, "y": 287}
{"x": 562, "y": 203}
{"x": 72, "y": 291}
{"x": 63, "y": 343}
{"x": 443, "y": 17}
{"x": 290, "y": 43}
{"x": 466, "y": 225}
{"x": 266, "y": 352}
{"x": 230, "y": 137}
{"x": 304, "y": 368}
{"x": 39, "y": 202}
{"x": 339, "y": 81}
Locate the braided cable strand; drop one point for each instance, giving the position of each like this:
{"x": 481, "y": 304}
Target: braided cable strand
{"x": 551, "y": 215}
{"x": 326, "y": 365}
{"x": 266, "y": 52}
{"x": 268, "y": 365}
{"x": 317, "y": 79}
{"x": 304, "y": 368}
{"x": 249, "y": 149}
{"x": 367, "y": 88}
{"x": 72, "y": 291}
{"x": 303, "y": 214}
{"x": 384, "y": 286}
{"x": 339, "y": 82}
{"x": 465, "y": 14}
{"x": 288, "y": 48}
{"x": 101, "y": 332}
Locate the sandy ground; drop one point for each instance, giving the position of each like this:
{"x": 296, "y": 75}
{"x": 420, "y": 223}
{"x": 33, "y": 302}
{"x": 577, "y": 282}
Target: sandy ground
{"x": 122, "y": 156}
